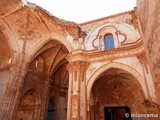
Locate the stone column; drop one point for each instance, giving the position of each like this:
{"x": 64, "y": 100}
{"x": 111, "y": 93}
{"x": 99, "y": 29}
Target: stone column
{"x": 61, "y": 109}
{"x": 147, "y": 77}
{"x": 45, "y": 98}
{"x": 77, "y": 101}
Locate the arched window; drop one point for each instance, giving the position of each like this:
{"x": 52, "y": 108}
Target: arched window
{"x": 109, "y": 41}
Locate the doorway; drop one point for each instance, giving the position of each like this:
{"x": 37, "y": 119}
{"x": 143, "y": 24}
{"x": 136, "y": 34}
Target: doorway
{"x": 117, "y": 113}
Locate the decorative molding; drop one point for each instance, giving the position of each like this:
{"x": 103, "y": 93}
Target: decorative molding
{"x": 74, "y": 106}
{"x": 102, "y": 32}
{"x": 87, "y": 56}
{"x": 125, "y": 37}
{"x": 77, "y": 66}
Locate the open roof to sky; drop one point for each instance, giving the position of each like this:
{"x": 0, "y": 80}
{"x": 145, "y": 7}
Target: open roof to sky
{"x": 80, "y": 11}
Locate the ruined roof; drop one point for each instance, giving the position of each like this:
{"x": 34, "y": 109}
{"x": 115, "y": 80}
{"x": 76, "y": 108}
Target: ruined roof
{"x": 9, "y": 7}
{"x": 107, "y": 17}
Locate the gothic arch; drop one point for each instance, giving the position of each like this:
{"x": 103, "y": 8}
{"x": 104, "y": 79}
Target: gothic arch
{"x": 28, "y": 106}
{"x": 9, "y": 37}
{"x": 9, "y": 77}
{"x": 50, "y": 56}
{"x": 31, "y": 53}
{"x": 44, "y": 47}
{"x": 8, "y": 44}
{"x": 121, "y": 66}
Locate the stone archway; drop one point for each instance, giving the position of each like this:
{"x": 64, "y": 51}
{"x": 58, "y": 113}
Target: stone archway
{"x": 113, "y": 89}
{"x": 5, "y": 64}
{"x": 132, "y": 71}
{"x": 5, "y": 52}
{"x": 8, "y": 47}
{"x": 47, "y": 74}
{"x": 59, "y": 90}
{"x": 9, "y": 53}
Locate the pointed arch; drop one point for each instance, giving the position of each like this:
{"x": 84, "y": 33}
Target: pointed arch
{"x": 121, "y": 66}
{"x": 8, "y": 44}
{"x": 33, "y": 52}
{"x": 29, "y": 106}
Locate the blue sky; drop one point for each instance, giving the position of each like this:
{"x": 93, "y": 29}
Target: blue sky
{"x": 80, "y": 11}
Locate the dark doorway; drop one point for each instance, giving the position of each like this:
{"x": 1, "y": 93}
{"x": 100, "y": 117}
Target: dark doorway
{"x": 52, "y": 112}
{"x": 117, "y": 113}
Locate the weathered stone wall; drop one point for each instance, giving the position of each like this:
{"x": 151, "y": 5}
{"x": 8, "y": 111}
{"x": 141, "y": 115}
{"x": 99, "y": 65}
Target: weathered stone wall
{"x": 34, "y": 38}
{"x": 25, "y": 29}
{"x": 122, "y": 26}
{"x": 148, "y": 12}
{"x": 116, "y": 90}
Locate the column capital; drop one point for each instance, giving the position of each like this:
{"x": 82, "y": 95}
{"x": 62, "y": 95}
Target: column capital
{"x": 142, "y": 58}
{"x": 77, "y": 66}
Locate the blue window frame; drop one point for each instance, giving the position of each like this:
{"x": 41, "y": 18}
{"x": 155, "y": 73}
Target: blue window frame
{"x": 109, "y": 41}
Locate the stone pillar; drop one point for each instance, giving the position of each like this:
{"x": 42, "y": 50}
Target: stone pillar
{"x": 147, "y": 77}
{"x": 45, "y": 98}
{"x": 77, "y": 101}
{"x": 61, "y": 109}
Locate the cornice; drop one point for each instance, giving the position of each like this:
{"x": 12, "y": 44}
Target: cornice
{"x": 77, "y": 66}
{"x": 88, "y": 56}
{"x": 105, "y": 18}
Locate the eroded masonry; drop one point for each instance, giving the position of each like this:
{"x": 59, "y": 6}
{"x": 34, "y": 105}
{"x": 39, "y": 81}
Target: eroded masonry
{"x": 52, "y": 69}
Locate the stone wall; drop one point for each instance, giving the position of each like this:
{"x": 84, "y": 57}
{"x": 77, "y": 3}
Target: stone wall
{"x": 24, "y": 30}
{"x": 149, "y": 16}
{"x": 37, "y": 44}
